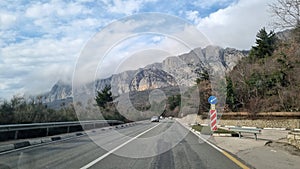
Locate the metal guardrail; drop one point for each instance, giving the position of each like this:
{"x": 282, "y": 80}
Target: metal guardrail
{"x": 19, "y": 127}
{"x": 240, "y": 130}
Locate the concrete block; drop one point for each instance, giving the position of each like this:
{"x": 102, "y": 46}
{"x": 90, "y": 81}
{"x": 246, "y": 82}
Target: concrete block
{"x": 46, "y": 140}
{"x": 55, "y": 138}
{"x": 35, "y": 141}
{"x": 22, "y": 144}
{"x": 79, "y": 134}
{"x": 67, "y": 136}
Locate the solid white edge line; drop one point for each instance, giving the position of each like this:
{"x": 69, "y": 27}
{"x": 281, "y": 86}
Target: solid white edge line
{"x": 115, "y": 149}
{"x": 214, "y": 146}
{"x": 240, "y": 164}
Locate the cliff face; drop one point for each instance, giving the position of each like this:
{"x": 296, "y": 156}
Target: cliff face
{"x": 59, "y": 91}
{"x": 151, "y": 78}
{"x": 182, "y": 70}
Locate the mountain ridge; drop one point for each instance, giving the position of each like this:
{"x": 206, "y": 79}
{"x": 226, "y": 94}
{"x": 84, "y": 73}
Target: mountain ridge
{"x": 180, "y": 70}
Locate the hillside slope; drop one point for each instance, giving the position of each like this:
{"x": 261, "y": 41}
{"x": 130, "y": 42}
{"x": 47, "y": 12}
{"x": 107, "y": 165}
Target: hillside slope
{"x": 267, "y": 83}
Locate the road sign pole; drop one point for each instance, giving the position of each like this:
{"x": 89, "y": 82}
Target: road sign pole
{"x": 213, "y": 112}
{"x": 212, "y": 107}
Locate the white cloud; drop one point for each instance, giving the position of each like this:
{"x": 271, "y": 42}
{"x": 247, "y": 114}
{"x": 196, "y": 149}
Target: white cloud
{"x": 3, "y": 86}
{"x": 45, "y": 49}
{"x": 236, "y": 25}
{"x": 6, "y": 20}
{"x": 141, "y": 58}
{"x": 126, "y": 37}
{"x": 55, "y": 7}
{"x": 36, "y": 64}
{"x": 34, "y": 82}
{"x": 192, "y": 15}
{"x": 59, "y": 18}
{"x": 39, "y": 10}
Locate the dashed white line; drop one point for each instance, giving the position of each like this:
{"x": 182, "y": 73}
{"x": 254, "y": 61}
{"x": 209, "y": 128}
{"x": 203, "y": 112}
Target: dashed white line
{"x": 115, "y": 149}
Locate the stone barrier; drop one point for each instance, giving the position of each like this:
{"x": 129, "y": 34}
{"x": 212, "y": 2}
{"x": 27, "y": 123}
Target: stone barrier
{"x": 261, "y": 123}
{"x": 294, "y": 138}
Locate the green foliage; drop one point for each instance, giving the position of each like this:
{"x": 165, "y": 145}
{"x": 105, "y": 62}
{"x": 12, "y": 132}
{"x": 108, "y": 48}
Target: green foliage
{"x": 104, "y": 100}
{"x": 269, "y": 80}
{"x": 17, "y": 110}
{"x": 197, "y": 127}
{"x": 267, "y": 84}
{"x": 174, "y": 101}
{"x": 207, "y": 130}
{"x": 204, "y": 91}
{"x": 230, "y": 95}
{"x": 114, "y": 116}
{"x": 104, "y": 96}
{"x": 265, "y": 45}
{"x": 203, "y": 76}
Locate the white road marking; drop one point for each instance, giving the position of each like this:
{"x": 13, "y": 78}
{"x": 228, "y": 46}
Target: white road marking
{"x": 203, "y": 139}
{"x": 240, "y": 164}
{"x": 115, "y": 149}
{"x": 206, "y": 141}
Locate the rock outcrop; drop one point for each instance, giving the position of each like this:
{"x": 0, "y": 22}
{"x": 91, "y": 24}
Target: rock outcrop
{"x": 182, "y": 70}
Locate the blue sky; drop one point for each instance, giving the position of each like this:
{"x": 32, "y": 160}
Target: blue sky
{"x": 41, "y": 40}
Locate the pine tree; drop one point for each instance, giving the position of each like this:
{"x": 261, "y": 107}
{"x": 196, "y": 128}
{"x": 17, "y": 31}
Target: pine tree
{"x": 230, "y": 98}
{"x": 265, "y": 44}
{"x": 104, "y": 96}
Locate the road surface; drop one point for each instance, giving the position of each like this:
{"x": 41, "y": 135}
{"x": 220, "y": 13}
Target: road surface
{"x": 141, "y": 146}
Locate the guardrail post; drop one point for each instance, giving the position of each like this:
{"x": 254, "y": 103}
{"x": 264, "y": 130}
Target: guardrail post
{"x": 47, "y": 132}
{"x": 16, "y": 134}
{"x": 240, "y": 134}
{"x": 68, "y": 129}
{"x": 255, "y": 136}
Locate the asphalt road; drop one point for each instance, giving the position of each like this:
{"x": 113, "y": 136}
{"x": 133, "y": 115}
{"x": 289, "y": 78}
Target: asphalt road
{"x": 164, "y": 145}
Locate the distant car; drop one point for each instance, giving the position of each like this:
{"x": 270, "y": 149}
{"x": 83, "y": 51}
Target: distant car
{"x": 155, "y": 119}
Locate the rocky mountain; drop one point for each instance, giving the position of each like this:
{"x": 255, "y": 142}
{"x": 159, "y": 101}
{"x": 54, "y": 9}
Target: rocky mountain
{"x": 179, "y": 70}
{"x": 151, "y": 78}
{"x": 60, "y": 90}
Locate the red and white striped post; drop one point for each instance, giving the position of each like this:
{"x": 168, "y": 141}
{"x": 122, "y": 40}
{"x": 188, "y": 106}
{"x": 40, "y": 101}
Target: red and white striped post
{"x": 213, "y": 112}
{"x": 213, "y": 118}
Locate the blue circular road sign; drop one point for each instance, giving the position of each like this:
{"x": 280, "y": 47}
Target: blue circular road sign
{"x": 212, "y": 100}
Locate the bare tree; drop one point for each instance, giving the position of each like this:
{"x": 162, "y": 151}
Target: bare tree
{"x": 287, "y": 13}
